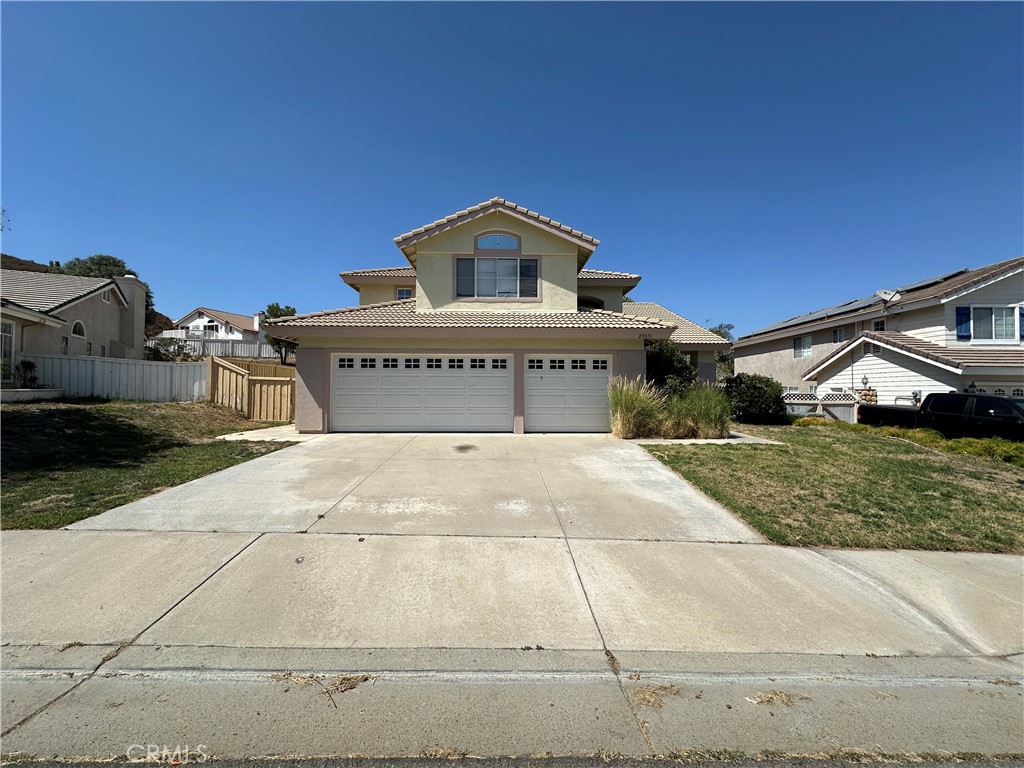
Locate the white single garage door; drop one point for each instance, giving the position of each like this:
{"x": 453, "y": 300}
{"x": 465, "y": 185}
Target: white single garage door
{"x": 567, "y": 394}
{"x": 417, "y": 393}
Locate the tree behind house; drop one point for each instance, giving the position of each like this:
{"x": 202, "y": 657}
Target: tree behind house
{"x": 283, "y": 347}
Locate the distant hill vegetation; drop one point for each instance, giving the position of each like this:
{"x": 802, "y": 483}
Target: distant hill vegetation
{"x": 13, "y": 262}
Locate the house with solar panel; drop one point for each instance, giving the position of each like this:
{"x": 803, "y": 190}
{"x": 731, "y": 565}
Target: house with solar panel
{"x": 961, "y": 331}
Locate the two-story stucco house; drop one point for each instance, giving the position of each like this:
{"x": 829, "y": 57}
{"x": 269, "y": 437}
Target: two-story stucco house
{"x": 952, "y": 332}
{"x": 50, "y": 314}
{"x": 495, "y": 325}
{"x": 205, "y": 323}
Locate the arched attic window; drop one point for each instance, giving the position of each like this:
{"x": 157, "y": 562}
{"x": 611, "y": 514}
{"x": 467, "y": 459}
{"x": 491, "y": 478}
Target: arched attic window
{"x": 497, "y": 241}
{"x": 78, "y": 329}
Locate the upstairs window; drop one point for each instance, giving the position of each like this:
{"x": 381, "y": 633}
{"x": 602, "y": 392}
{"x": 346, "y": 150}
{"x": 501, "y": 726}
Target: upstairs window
{"x": 78, "y": 329}
{"x": 496, "y": 278}
{"x": 802, "y": 346}
{"x": 878, "y": 325}
{"x": 993, "y": 324}
{"x": 838, "y": 335}
{"x": 403, "y": 293}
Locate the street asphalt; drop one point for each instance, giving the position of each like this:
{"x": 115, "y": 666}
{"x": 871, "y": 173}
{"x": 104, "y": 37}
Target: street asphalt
{"x": 492, "y": 596}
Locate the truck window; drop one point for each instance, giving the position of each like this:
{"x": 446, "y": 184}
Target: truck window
{"x": 953, "y": 404}
{"x": 983, "y": 405}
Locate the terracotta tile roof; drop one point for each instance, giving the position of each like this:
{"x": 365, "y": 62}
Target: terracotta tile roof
{"x": 686, "y": 332}
{"x": 936, "y": 288}
{"x": 487, "y": 206}
{"x": 45, "y": 292}
{"x": 960, "y": 356}
{"x": 403, "y": 314}
{"x": 600, "y": 274}
{"x": 241, "y": 322}
{"x": 401, "y": 272}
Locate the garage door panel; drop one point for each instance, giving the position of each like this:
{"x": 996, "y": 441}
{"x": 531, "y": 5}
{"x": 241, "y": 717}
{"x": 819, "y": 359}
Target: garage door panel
{"x": 414, "y": 399}
{"x": 569, "y": 399}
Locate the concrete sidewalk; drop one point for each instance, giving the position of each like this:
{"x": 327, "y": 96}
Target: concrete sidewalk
{"x": 501, "y": 646}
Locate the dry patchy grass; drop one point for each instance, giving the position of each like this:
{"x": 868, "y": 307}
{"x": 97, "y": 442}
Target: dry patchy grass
{"x": 828, "y": 487}
{"x": 66, "y": 461}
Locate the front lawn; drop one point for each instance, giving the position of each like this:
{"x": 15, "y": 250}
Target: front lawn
{"x": 63, "y": 462}
{"x": 832, "y": 486}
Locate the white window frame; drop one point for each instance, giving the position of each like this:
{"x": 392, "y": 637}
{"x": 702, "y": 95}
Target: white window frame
{"x": 85, "y": 332}
{"x": 879, "y": 321}
{"x": 1014, "y": 339}
{"x": 400, "y": 291}
{"x": 7, "y": 334}
{"x": 802, "y": 350}
{"x": 500, "y": 256}
{"x": 105, "y": 296}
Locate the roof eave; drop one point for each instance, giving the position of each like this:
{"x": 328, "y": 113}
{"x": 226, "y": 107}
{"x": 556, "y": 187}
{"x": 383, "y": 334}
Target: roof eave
{"x": 12, "y": 309}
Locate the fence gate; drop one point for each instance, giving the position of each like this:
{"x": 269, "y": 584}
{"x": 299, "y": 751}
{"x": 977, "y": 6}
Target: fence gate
{"x": 837, "y": 406}
{"x": 258, "y": 398}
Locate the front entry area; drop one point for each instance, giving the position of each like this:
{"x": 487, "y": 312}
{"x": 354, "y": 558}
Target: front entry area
{"x": 418, "y": 393}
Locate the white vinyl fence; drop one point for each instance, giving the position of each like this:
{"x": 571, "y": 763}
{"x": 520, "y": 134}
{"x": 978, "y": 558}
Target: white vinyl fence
{"x": 225, "y": 347}
{"x": 116, "y": 379}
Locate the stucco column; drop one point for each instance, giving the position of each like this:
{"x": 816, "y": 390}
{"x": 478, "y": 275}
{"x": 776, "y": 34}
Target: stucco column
{"x": 519, "y": 392}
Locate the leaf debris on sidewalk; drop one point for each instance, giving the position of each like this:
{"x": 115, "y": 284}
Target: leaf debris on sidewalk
{"x": 770, "y": 697}
{"x": 339, "y": 684}
{"x": 652, "y": 695}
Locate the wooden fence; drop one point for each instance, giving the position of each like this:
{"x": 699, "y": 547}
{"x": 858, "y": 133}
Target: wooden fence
{"x": 259, "y": 398}
{"x": 255, "y": 368}
{"x": 117, "y": 379}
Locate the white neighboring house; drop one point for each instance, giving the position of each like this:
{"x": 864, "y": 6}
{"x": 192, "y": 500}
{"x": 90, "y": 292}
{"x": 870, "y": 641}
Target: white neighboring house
{"x": 962, "y": 331}
{"x": 205, "y": 323}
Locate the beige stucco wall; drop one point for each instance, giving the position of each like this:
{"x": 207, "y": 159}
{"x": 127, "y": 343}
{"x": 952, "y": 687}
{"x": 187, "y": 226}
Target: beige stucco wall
{"x": 107, "y": 326}
{"x": 612, "y": 297}
{"x": 435, "y": 267}
{"x": 312, "y": 393}
{"x": 377, "y": 294}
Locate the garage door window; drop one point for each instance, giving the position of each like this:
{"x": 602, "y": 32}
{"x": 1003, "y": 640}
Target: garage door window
{"x": 367, "y": 362}
{"x": 535, "y": 365}
{"x": 433, "y": 363}
{"x": 390, "y": 362}
{"x": 499, "y": 364}
{"x": 412, "y": 362}
{"x": 600, "y": 365}
{"x": 346, "y": 362}
{"x": 477, "y": 362}
{"x": 556, "y": 365}
{"x": 455, "y": 364}
{"x": 579, "y": 365}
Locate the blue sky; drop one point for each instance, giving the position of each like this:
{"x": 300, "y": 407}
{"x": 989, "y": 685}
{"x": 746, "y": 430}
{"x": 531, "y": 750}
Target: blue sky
{"x": 752, "y": 162}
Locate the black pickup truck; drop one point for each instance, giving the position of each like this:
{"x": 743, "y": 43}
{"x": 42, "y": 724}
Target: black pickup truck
{"x": 954, "y": 414}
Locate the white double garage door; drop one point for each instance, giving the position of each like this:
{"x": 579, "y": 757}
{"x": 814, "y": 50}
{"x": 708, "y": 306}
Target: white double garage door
{"x": 468, "y": 393}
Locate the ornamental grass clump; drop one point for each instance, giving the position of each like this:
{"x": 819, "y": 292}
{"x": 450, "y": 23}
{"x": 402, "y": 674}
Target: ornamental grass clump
{"x": 637, "y": 407}
{"x": 702, "y": 413}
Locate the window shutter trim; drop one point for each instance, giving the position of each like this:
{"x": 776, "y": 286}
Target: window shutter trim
{"x": 963, "y": 323}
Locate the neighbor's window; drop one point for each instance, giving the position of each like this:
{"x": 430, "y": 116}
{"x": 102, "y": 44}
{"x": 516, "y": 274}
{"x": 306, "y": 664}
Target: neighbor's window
{"x": 78, "y": 329}
{"x": 993, "y": 323}
{"x": 105, "y": 296}
{"x": 878, "y": 325}
{"x": 63, "y": 345}
{"x": 403, "y": 293}
{"x": 7, "y": 348}
{"x": 838, "y": 335}
{"x": 496, "y": 278}
{"x": 88, "y": 347}
{"x": 802, "y": 346}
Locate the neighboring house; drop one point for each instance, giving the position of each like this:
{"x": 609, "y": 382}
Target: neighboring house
{"x": 950, "y": 332}
{"x": 700, "y": 343}
{"x": 204, "y": 323}
{"x": 494, "y": 325}
{"x": 48, "y": 314}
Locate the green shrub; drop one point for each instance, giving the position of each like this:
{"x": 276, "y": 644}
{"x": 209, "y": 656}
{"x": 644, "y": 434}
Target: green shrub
{"x": 756, "y": 399}
{"x": 636, "y": 407}
{"x": 669, "y": 367}
{"x": 703, "y": 412}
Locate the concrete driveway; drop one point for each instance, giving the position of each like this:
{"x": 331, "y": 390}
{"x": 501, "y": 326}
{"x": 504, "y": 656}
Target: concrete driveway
{"x": 542, "y": 486}
{"x": 490, "y": 595}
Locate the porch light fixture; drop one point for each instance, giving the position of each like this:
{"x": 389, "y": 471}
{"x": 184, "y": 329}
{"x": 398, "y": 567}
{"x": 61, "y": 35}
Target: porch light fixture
{"x": 864, "y": 381}
{"x": 972, "y": 388}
